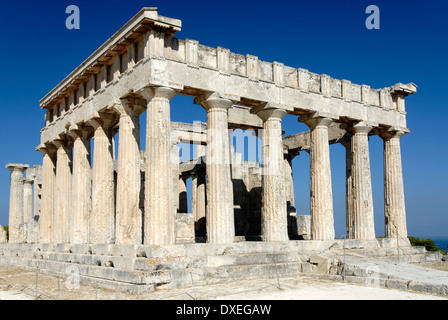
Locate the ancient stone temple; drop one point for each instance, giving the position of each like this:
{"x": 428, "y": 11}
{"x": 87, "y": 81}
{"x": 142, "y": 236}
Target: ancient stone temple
{"x": 86, "y": 193}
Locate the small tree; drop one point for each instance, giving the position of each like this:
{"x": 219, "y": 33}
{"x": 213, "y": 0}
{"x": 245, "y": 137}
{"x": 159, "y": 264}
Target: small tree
{"x": 427, "y": 243}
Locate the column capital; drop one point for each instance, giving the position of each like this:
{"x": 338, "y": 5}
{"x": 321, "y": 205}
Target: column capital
{"x": 392, "y": 133}
{"x": 316, "y": 120}
{"x": 105, "y": 123}
{"x": 213, "y": 101}
{"x": 151, "y": 92}
{"x": 79, "y": 131}
{"x": 46, "y": 148}
{"x": 21, "y": 167}
{"x": 359, "y": 128}
{"x": 62, "y": 143}
{"x": 130, "y": 106}
{"x": 266, "y": 114}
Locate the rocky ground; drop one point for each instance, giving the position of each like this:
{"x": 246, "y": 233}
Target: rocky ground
{"x": 21, "y": 285}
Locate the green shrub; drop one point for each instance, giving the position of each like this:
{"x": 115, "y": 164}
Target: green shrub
{"x": 7, "y": 231}
{"x": 427, "y": 243}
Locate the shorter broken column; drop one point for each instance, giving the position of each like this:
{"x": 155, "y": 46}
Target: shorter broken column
{"x": 27, "y": 199}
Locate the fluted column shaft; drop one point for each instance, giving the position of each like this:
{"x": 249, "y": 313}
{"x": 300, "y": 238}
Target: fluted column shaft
{"x": 129, "y": 217}
{"x": 219, "y": 214}
{"x": 394, "y": 200}
{"x": 348, "y": 188}
{"x": 198, "y": 203}
{"x": 274, "y": 223}
{"x": 48, "y": 189}
{"x": 182, "y": 191}
{"x": 27, "y": 199}
{"x": 102, "y": 222}
{"x": 363, "y": 219}
{"x": 321, "y": 194}
{"x": 16, "y": 202}
{"x": 62, "y": 196}
{"x": 82, "y": 185}
{"x": 159, "y": 216}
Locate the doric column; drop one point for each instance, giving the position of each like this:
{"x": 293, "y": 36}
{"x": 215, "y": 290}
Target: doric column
{"x": 274, "y": 215}
{"x": 176, "y": 172}
{"x": 159, "y": 218}
{"x": 63, "y": 189}
{"x": 129, "y": 217}
{"x": 48, "y": 189}
{"x": 289, "y": 182}
{"x": 16, "y": 201}
{"x": 27, "y": 199}
{"x": 182, "y": 191}
{"x": 394, "y": 201}
{"x": 363, "y": 222}
{"x": 321, "y": 194}
{"x": 102, "y": 222}
{"x": 348, "y": 188}
{"x": 198, "y": 203}
{"x": 81, "y": 184}
{"x": 220, "y": 215}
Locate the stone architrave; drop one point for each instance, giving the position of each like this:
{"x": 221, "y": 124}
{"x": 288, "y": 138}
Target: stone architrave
{"x": 16, "y": 201}
{"x": 394, "y": 200}
{"x": 129, "y": 216}
{"x": 274, "y": 215}
{"x": 362, "y": 206}
{"x": 63, "y": 189}
{"x": 48, "y": 188}
{"x": 158, "y": 222}
{"x": 102, "y": 219}
{"x": 321, "y": 194}
{"x": 81, "y": 183}
{"x": 219, "y": 214}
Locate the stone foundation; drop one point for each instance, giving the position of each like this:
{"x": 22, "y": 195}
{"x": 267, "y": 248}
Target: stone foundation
{"x": 139, "y": 268}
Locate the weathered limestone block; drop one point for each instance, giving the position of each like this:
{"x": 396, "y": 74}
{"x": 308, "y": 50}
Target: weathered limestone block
{"x": 304, "y": 226}
{"x": 32, "y": 231}
{"x": 184, "y": 223}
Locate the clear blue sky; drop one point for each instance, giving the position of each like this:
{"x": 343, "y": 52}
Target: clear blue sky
{"x": 323, "y": 36}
